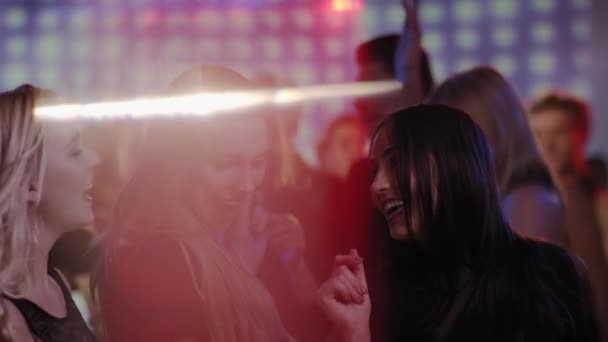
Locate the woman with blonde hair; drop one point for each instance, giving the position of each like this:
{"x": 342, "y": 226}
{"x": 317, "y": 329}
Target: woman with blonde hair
{"x": 183, "y": 255}
{"x": 529, "y": 198}
{"x": 45, "y": 178}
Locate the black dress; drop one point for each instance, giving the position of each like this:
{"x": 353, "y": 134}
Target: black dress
{"x": 46, "y": 328}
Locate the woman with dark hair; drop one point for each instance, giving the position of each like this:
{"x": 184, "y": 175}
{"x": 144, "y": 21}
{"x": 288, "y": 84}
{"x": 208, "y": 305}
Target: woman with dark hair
{"x": 457, "y": 271}
{"x": 535, "y": 205}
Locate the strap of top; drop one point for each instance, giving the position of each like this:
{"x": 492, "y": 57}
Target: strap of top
{"x": 48, "y": 328}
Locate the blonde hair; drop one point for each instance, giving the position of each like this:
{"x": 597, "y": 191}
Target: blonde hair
{"x": 21, "y": 167}
{"x": 157, "y": 201}
{"x": 484, "y": 94}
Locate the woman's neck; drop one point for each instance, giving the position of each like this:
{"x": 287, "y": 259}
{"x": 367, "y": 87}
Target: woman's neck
{"x": 39, "y": 258}
{"x": 210, "y": 217}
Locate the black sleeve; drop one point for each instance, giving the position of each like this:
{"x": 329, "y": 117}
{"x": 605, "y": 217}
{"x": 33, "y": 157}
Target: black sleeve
{"x": 573, "y": 290}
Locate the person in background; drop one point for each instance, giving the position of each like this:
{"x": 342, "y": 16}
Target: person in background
{"x": 561, "y": 123}
{"x": 310, "y": 194}
{"x": 458, "y": 271}
{"x": 116, "y": 142}
{"x": 293, "y": 174}
{"x": 341, "y": 146}
{"x": 46, "y": 174}
{"x": 322, "y": 208}
{"x": 398, "y": 57}
{"x": 598, "y": 173}
{"x": 529, "y": 198}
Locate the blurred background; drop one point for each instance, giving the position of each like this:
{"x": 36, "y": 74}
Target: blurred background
{"x": 110, "y": 49}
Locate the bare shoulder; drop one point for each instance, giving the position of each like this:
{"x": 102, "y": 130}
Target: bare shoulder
{"x": 17, "y": 326}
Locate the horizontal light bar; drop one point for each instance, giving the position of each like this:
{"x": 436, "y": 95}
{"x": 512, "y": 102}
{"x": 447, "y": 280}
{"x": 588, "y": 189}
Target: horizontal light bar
{"x": 203, "y": 104}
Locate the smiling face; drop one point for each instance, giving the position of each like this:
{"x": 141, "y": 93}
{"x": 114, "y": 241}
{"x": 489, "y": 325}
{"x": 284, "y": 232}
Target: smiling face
{"x": 65, "y": 201}
{"x": 385, "y": 191}
{"x": 237, "y": 153}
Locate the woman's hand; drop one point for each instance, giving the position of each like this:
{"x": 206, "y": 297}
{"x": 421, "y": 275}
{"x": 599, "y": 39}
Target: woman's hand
{"x": 243, "y": 240}
{"x": 285, "y": 237}
{"x": 345, "y": 300}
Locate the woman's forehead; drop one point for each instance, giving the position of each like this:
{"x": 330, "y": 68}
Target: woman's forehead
{"x": 379, "y": 143}
{"x": 61, "y": 131}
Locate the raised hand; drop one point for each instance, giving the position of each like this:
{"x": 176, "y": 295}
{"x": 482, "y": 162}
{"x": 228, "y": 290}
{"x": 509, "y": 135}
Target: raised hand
{"x": 285, "y": 237}
{"x": 411, "y": 12}
{"x": 409, "y": 51}
{"x": 242, "y": 239}
{"x": 345, "y": 300}
{"x": 409, "y": 54}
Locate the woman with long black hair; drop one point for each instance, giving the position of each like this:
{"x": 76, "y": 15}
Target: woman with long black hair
{"x": 457, "y": 271}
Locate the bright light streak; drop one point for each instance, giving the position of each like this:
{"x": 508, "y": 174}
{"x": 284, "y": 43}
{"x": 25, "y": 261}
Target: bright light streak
{"x": 311, "y": 93}
{"x": 346, "y": 5}
{"x": 204, "y": 104}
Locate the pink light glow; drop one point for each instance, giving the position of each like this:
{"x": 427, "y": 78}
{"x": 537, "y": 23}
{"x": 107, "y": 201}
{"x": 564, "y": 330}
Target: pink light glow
{"x": 346, "y": 5}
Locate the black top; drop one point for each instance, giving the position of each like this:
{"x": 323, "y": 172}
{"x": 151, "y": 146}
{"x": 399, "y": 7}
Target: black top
{"x": 47, "y": 328}
{"x": 537, "y": 295}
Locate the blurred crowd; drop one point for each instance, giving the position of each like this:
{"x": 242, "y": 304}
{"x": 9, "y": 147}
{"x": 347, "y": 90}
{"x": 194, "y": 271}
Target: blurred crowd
{"x": 216, "y": 229}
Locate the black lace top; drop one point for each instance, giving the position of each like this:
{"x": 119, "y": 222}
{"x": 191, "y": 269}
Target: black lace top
{"x": 47, "y": 328}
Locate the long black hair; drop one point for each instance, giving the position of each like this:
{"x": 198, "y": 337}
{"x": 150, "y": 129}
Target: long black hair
{"x": 481, "y": 280}
{"x": 448, "y": 154}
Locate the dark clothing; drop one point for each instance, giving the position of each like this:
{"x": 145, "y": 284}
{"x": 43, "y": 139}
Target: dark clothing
{"x": 71, "y": 253}
{"x": 336, "y": 217}
{"x": 325, "y": 211}
{"x": 47, "y": 328}
{"x": 535, "y": 295}
{"x": 312, "y": 207}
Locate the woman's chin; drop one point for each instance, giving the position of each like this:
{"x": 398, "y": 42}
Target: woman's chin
{"x": 398, "y": 232}
{"x": 86, "y": 219}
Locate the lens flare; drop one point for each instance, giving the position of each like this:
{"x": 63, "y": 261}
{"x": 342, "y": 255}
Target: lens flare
{"x": 203, "y": 104}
